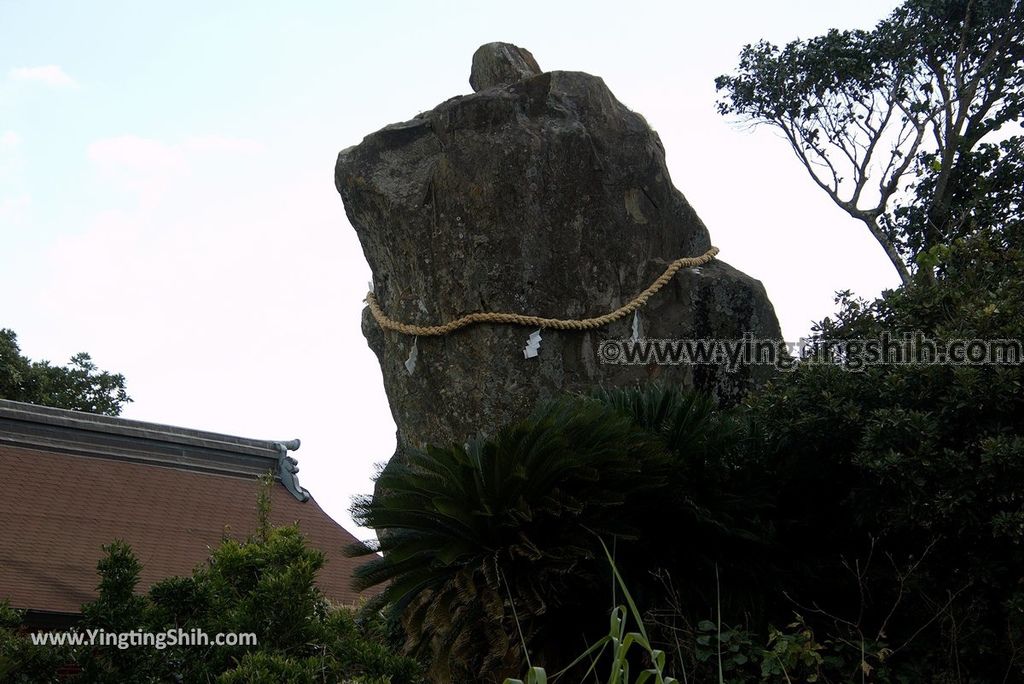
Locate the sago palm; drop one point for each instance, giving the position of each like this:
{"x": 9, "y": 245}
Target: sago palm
{"x": 497, "y": 543}
{"x": 476, "y": 536}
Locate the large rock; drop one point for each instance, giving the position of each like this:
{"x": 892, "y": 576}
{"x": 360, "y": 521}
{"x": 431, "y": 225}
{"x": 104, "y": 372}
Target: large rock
{"x": 542, "y": 195}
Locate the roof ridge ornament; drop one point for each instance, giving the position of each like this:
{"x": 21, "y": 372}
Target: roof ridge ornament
{"x": 287, "y": 467}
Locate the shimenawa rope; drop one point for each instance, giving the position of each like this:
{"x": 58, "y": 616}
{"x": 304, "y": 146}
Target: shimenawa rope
{"x": 536, "y": 321}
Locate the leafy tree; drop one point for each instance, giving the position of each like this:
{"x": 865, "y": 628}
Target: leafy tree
{"x": 118, "y": 609}
{"x": 985, "y": 204}
{"x": 868, "y": 113}
{"x": 79, "y": 386}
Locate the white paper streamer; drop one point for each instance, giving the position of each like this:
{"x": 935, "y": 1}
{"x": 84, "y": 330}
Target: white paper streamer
{"x": 637, "y": 330}
{"x": 410, "y": 363}
{"x": 532, "y": 347}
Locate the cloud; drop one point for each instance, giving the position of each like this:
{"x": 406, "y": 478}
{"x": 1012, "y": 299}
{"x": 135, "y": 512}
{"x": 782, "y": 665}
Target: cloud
{"x": 13, "y": 209}
{"x": 220, "y": 143}
{"x": 134, "y": 153}
{"x": 9, "y": 139}
{"x": 145, "y": 167}
{"x": 51, "y": 75}
{"x": 150, "y": 168}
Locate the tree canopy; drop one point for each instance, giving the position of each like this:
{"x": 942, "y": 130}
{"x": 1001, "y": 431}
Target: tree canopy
{"x": 893, "y": 117}
{"x": 79, "y": 386}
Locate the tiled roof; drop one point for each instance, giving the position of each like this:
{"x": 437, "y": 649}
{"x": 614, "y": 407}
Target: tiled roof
{"x": 71, "y": 483}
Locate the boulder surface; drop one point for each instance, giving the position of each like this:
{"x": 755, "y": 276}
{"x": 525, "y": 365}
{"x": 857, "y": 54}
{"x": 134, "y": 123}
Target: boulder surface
{"x": 540, "y": 193}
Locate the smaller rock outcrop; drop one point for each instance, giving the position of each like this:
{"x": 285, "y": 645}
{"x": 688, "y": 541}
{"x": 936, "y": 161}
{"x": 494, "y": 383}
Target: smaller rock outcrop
{"x": 499, "y": 64}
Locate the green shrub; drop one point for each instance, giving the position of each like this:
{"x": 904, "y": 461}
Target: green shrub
{"x": 264, "y": 585}
{"x": 20, "y": 661}
{"x": 899, "y": 487}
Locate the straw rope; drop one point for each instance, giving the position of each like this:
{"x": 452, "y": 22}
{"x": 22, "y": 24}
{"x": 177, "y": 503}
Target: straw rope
{"x": 536, "y": 321}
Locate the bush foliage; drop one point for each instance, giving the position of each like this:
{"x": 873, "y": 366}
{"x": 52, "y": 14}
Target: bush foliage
{"x": 264, "y": 585}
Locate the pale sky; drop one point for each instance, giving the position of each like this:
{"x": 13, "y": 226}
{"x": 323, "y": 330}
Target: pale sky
{"x": 167, "y": 200}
